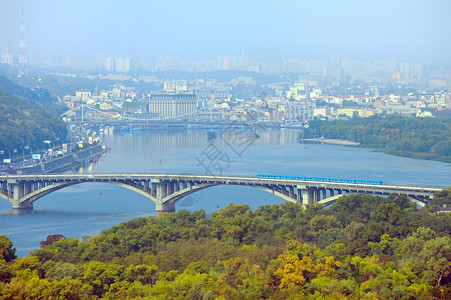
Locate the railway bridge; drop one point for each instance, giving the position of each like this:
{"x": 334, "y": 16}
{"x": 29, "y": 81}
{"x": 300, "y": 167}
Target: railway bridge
{"x": 166, "y": 189}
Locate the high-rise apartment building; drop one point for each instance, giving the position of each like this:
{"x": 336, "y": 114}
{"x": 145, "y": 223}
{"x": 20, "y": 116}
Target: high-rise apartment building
{"x": 100, "y": 60}
{"x": 117, "y": 64}
{"x": 404, "y": 70}
{"x": 110, "y": 64}
{"x": 122, "y": 64}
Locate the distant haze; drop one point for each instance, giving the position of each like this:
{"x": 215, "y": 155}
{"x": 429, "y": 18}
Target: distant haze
{"x": 404, "y": 30}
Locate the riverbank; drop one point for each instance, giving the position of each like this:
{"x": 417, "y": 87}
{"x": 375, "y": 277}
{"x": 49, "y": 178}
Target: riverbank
{"x": 333, "y": 142}
{"x": 416, "y": 155}
{"x": 64, "y": 162}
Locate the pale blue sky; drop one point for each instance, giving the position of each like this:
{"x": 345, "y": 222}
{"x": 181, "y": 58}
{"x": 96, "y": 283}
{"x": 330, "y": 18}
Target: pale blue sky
{"x": 405, "y": 30}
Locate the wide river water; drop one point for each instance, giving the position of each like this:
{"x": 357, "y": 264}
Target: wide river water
{"x": 86, "y": 209}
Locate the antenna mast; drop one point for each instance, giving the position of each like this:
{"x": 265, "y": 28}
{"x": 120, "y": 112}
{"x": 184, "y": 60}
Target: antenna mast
{"x": 23, "y": 66}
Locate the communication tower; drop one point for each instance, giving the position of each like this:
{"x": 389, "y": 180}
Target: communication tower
{"x": 23, "y": 65}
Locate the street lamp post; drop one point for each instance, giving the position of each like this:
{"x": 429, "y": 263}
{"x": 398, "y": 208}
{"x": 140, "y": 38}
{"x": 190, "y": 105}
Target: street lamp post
{"x": 3, "y": 152}
{"x": 23, "y": 154}
{"x": 38, "y": 153}
{"x": 15, "y": 151}
{"x": 37, "y": 148}
{"x": 48, "y": 142}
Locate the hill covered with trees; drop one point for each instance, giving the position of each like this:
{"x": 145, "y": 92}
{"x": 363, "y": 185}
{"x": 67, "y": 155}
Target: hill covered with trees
{"x": 419, "y": 137}
{"x": 362, "y": 247}
{"x": 24, "y": 121}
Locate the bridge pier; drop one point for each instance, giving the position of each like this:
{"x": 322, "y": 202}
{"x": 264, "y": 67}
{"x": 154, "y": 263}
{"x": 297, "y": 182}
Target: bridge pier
{"x": 311, "y": 195}
{"x": 308, "y": 195}
{"x": 22, "y": 207}
{"x": 20, "y": 189}
{"x": 161, "y": 207}
{"x": 164, "y": 189}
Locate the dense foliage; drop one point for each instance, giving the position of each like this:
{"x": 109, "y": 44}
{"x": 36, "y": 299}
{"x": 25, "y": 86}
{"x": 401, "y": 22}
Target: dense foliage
{"x": 25, "y": 121}
{"x": 411, "y": 134}
{"x": 361, "y": 247}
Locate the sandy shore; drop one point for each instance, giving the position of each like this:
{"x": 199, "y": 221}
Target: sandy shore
{"x": 333, "y": 142}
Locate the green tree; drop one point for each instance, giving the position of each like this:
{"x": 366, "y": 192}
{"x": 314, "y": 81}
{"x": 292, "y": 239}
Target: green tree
{"x": 142, "y": 273}
{"x": 436, "y": 261}
{"x": 7, "y": 252}
{"x": 6, "y": 273}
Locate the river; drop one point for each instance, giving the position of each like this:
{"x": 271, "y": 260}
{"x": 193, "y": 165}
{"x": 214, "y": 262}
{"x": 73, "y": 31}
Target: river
{"x": 86, "y": 209}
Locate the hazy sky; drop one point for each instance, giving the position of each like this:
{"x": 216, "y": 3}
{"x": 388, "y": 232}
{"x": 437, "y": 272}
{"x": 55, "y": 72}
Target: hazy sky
{"x": 405, "y": 30}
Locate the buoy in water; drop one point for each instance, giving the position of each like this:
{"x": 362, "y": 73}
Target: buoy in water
{"x": 100, "y": 193}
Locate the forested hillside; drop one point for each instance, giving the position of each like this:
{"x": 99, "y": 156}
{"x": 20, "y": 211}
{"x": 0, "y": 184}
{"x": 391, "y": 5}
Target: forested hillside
{"x": 409, "y": 134}
{"x": 25, "y": 121}
{"x": 362, "y": 247}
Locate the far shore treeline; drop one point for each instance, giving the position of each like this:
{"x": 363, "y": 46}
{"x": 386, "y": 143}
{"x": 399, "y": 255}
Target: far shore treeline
{"x": 427, "y": 138}
{"x": 361, "y": 247}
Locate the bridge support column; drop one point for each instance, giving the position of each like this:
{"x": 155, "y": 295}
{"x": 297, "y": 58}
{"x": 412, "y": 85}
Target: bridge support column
{"x": 323, "y": 194}
{"x": 19, "y": 191}
{"x": 164, "y": 189}
{"x": 284, "y": 190}
{"x": 298, "y": 195}
{"x": 153, "y": 189}
{"x": 164, "y": 207}
{"x": 290, "y": 192}
{"x": 316, "y": 195}
{"x": 308, "y": 195}
{"x": 23, "y": 207}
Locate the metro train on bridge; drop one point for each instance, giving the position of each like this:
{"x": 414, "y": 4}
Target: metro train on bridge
{"x": 320, "y": 179}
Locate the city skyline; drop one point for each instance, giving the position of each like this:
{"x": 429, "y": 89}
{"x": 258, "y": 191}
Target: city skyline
{"x": 202, "y": 30}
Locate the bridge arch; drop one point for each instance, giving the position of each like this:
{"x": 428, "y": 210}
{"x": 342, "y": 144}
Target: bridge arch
{"x": 27, "y": 200}
{"x": 165, "y": 190}
{"x": 176, "y": 196}
{"x": 166, "y": 203}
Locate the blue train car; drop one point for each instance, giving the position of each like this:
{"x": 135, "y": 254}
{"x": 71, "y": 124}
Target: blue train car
{"x": 319, "y": 179}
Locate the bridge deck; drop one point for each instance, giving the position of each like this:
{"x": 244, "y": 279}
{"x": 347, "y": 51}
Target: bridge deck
{"x": 166, "y": 189}
{"x": 225, "y": 179}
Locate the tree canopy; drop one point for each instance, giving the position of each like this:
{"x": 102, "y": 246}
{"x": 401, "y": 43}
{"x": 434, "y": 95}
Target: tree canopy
{"x": 25, "y": 121}
{"x": 362, "y": 246}
{"x": 406, "y": 134}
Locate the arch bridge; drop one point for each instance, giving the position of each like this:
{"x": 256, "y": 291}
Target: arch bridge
{"x": 166, "y": 189}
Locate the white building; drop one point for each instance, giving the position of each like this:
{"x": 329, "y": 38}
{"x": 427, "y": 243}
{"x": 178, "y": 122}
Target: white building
{"x": 7, "y": 57}
{"x": 173, "y": 106}
{"x": 122, "y": 64}
{"x": 117, "y": 64}
{"x": 298, "y": 111}
{"x": 83, "y": 95}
